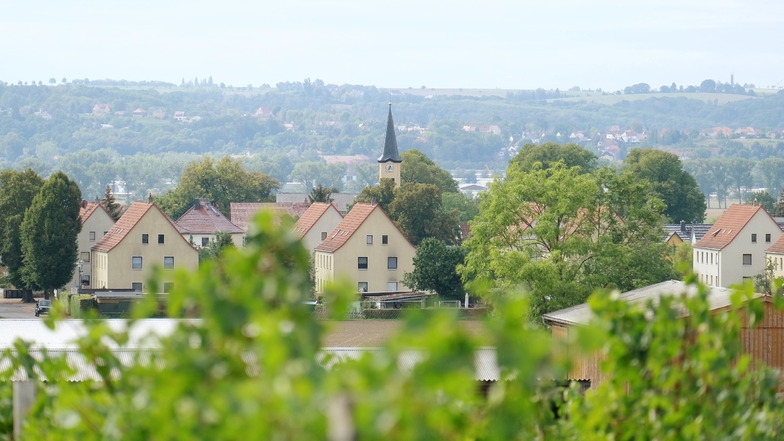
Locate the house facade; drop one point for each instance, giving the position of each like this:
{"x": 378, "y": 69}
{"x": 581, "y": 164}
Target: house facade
{"x": 96, "y": 222}
{"x": 774, "y": 256}
{"x": 316, "y": 223}
{"x": 366, "y": 248}
{"x": 202, "y": 222}
{"x": 142, "y": 239}
{"x": 734, "y": 249}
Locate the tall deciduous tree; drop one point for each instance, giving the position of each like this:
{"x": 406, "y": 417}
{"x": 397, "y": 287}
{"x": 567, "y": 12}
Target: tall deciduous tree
{"x": 435, "y": 269}
{"x": 549, "y": 153}
{"x": 675, "y": 186}
{"x": 17, "y": 190}
{"x": 49, "y": 232}
{"x": 418, "y": 168}
{"x": 418, "y": 212}
{"x": 223, "y": 182}
{"x": 562, "y": 234}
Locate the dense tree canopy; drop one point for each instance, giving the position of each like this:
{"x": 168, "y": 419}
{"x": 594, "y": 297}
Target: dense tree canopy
{"x": 222, "y": 182}
{"x": 435, "y": 269}
{"x": 48, "y": 234}
{"x": 563, "y": 233}
{"x": 418, "y": 168}
{"x": 549, "y": 153}
{"x": 17, "y": 191}
{"x": 417, "y": 210}
{"x": 675, "y": 186}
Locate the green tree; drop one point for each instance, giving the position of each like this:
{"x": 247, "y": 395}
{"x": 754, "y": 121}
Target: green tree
{"x": 739, "y": 172}
{"x": 762, "y": 198}
{"x": 216, "y": 246}
{"x": 562, "y": 233}
{"x": 321, "y": 193}
{"x": 223, "y": 182}
{"x": 549, "y": 153}
{"x": 48, "y": 234}
{"x": 108, "y": 202}
{"x": 435, "y": 269}
{"x": 418, "y": 168}
{"x": 17, "y": 190}
{"x": 771, "y": 171}
{"x": 382, "y": 194}
{"x": 676, "y": 187}
{"x": 417, "y": 210}
{"x": 313, "y": 173}
{"x": 683, "y": 259}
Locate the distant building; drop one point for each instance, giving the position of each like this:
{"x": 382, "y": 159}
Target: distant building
{"x": 202, "y": 222}
{"x": 96, "y": 222}
{"x": 316, "y": 223}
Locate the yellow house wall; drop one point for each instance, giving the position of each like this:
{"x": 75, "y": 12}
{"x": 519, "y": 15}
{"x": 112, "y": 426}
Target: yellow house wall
{"x": 98, "y": 223}
{"x": 118, "y": 273}
{"x": 326, "y": 223}
{"x": 343, "y": 263}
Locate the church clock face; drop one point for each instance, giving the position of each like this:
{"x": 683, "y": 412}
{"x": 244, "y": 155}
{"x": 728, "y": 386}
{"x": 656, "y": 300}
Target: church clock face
{"x": 390, "y": 167}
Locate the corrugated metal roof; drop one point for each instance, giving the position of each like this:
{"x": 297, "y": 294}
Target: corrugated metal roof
{"x": 582, "y": 314}
{"x": 59, "y": 342}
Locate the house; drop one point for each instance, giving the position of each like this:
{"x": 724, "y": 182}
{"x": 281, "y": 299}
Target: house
{"x": 676, "y": 234}
{"x": 96, "y": 222}
{"x": 203, "y": 221}
{"x": 101, "y": 109}
{"x": 761, "y": 342}
{"x": 242, "y": 213}
{"x": 774, "y": 257}
{"x": 143, "y": 238}
{"x": 367, "y": 248}
{"x": 341, "y": 200}
{"x": 734, "y": 247}
{"x": 316, "y": 222}
{"x": 180, "y": 116}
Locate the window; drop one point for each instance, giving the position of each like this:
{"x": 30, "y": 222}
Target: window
{"x": 384, "y": 239}
{"x": 323, "y": 235}
{"x": 753, "y": 238}
{"x": 391, "y": 286}
{"x": 85, "y": 282}
{"x": 369, "y": 239}
{"x": 136, "y": 286}
{"x": 392, "y": 263}
{"x": 362, "y": 263}
{"x": 205, "y": 241}
{"x": 747, "y": 259}
{"x": 767, "y": 238}
{"x": 145, "y": 238}
{"x": 168, "y": 262}
{"x": 136, "y": 262}
{"x": 160, "y": 238}
{"x": 92, "y": 236}
{"x": 85, "y": 256}
{"x": 362, "y": 286}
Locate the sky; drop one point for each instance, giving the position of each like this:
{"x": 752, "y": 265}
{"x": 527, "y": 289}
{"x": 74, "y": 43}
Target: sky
{"x": 514, "y": 44}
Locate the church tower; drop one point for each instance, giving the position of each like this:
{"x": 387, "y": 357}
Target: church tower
{"x": 389, "y": 162}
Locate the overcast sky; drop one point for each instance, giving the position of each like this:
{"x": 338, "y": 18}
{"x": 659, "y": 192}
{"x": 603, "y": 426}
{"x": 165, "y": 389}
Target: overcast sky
{"x": 514, "y": 44}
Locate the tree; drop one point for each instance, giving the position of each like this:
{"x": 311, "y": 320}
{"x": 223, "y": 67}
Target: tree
{"x": 772, "y": 174}
{"x": 418, "y": 168}
{"x": 417, "y": 210}
{"x": 549, "y": 153}
{"x": 313, "y": 173}
{"x": 739, "y": 172}
{"x": 321, "y": 194}
{"x": 216, "y": 247}
{"x": 764, "y": 199}
{"x": 17, "y": 190}
{"x": 222, "y": 182}
{"x": 676, "y": 187}
{"x": 48, "y": 234}
{"x": 382, "y": 194}
{"x": 435, "y": 269}
{"x": 562, "y": 233}
{"x": 108, "y": 202}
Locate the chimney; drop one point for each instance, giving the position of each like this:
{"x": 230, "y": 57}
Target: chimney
{"x": 197, "y": 204}
{"x": 149, "y": 198}
{"x": 683, "y": 226}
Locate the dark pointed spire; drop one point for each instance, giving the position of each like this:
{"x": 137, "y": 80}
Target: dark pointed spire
{"x": 390, "y": 153}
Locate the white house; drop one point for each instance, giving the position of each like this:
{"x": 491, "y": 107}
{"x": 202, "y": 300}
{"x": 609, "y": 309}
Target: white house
{"x": 735, "y": 247}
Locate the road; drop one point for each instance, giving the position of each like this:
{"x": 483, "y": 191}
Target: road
{"x": 15, "y": 309}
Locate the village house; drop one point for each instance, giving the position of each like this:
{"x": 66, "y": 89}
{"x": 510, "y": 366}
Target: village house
{"x": 315, "y": 224}
{"x": 96, "y": 222}
{"x": 202, "y": 222}
{"x": 734, "y": 249}
{"x": 142, "y": 239}
{"x": 242, "y": 213}
{"x": 366, "y": 248}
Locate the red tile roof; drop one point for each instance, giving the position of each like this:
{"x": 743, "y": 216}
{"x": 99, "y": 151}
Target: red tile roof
{"x": 241, "y": 213}
{"x": 727, "y": 227}
{"x": 206, "y": 219}
{"x": 126, "y": 223}
{"x": 87, "y": 209}
{"x": 347, "y": 227}
{"x": 778, "y": 246}
{"x": 311, "y": 216}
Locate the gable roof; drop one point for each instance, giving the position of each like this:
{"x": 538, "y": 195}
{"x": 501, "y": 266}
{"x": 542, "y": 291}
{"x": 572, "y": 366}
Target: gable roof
{"x": 127, "y": 222}
{"x": 390, "y": 153}
{"x": 204, "y": 218}
{"x": 729, "y": 225}
{"x": 311, "y": 216}
{"x": 778, "y": 246}
{"x": 241, "y": 213}
{"x": 347, "y": 227}
{"x": 87, "y": 209}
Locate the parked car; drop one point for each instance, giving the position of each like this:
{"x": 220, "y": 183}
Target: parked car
{"x": 43, "y": 307}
